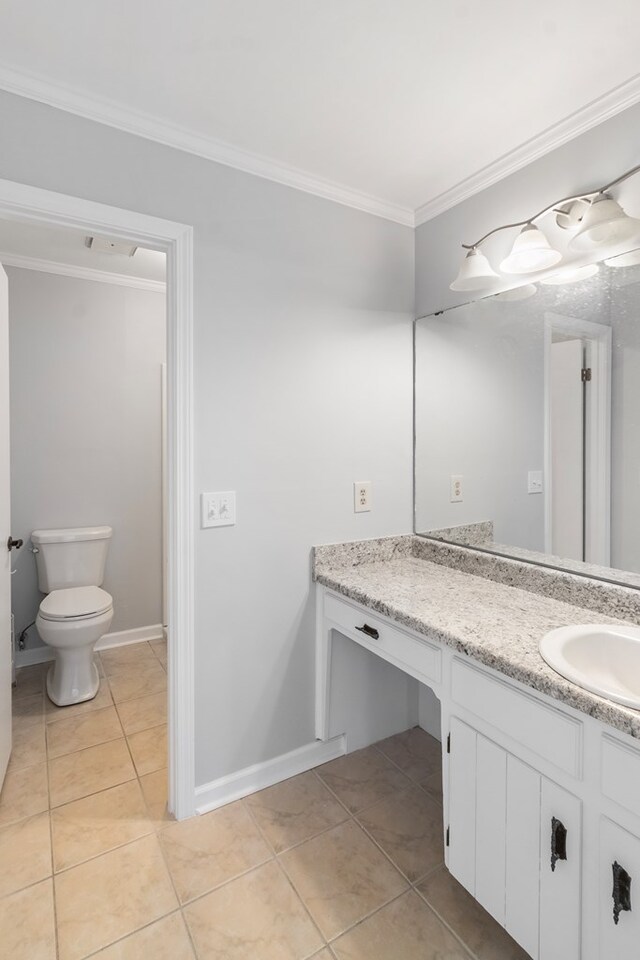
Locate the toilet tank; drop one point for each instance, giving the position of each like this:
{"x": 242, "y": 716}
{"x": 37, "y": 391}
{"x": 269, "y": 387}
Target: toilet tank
{"x": 71, "y": 557}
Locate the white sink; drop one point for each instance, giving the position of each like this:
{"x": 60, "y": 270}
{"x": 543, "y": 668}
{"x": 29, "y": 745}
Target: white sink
{"x": 601, "y": 658}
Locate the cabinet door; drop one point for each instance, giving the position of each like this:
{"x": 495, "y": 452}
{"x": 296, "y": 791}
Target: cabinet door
{"x": 491, "y": 818}
{"x": 619, "y": 940}
{"x": 523, "y": 855}
{"x": 560, "y": 874}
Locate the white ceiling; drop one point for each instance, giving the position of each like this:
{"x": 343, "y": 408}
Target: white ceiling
{"x": 61, "y": 250}
{"x": 397, "y": 100}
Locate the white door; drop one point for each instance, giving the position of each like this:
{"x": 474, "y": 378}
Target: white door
{"x": 5, "y": 532}
{"x": 567, "y": 449}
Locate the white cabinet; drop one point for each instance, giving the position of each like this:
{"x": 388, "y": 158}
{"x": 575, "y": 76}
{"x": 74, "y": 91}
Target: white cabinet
{"x": 620, "y": 897}
{"x": 515, "y": 844}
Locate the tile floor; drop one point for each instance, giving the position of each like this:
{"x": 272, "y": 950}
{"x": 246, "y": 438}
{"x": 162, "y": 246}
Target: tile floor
{"x": 344, "y": 862}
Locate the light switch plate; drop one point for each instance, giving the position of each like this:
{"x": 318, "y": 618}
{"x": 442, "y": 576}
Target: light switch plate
{"x": 218, "y": 509}
{"x": 535, "y": 483}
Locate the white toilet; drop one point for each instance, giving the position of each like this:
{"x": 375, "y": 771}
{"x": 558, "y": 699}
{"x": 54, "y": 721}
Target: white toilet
{"x": 76, "y": 612}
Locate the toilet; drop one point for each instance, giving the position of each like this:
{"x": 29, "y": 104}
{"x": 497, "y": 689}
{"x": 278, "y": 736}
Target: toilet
{"x": 76, "y": 612}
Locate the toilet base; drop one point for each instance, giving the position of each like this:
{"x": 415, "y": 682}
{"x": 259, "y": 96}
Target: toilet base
{"x": 73, "y": 676}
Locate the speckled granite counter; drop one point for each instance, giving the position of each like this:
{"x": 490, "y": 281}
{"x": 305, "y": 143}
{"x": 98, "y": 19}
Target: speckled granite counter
{"x": 498, "y": 625}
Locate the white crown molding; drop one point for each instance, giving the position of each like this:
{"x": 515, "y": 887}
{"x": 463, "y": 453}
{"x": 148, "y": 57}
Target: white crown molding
{"x": 605, "y": 107}
{"x": 151, "y": 128}
{"x": 81, "y": 273}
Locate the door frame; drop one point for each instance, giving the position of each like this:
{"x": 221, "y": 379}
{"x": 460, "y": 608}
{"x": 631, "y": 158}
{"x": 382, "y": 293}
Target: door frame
{"x": 37, "y": 206}
{"x": 598, "y": 339}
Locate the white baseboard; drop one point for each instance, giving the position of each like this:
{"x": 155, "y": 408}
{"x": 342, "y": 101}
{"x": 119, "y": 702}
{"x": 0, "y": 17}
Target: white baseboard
{"x": 121, "y": 638}
{"x": 218, "y": 792}
{"x": 124, "y": 637}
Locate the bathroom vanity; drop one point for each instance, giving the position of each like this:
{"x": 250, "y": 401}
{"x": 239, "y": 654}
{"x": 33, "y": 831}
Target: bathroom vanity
{"x": 541, "y": 778}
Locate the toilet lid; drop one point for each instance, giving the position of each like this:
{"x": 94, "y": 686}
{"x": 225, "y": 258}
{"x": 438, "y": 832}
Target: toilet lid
{"x": 75, "y": 602}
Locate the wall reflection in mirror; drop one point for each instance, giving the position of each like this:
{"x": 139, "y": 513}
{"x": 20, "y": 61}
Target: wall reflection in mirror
{"x": 527, "y": 420}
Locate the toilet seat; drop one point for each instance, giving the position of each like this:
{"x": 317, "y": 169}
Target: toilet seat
{"x": 75, "y": 603}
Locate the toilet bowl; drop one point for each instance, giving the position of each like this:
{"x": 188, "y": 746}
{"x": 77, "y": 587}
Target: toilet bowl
{"x": 76, "y": 613}
{"x": 72, "y": 621}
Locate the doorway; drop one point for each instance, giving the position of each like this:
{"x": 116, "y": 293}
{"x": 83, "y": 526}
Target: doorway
{"x": 577, "y": 439}
{"x": 37, "y": 207}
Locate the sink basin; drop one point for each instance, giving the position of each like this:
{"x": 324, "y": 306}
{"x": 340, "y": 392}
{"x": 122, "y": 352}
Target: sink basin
{"x": 598, "y": 657}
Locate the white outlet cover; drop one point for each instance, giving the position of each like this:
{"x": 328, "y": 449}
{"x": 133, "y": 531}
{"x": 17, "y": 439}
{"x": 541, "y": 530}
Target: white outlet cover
{"x": 218, "y": 509}
{"x": 455, "y": 488}
{"x": 362, "y": 496}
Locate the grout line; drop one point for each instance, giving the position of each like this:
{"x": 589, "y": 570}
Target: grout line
{"x": 113, "y": 943}
{"x": 368, "y": 916}
{"x": 451, "y": 929}
{"x": 304, "y": 906}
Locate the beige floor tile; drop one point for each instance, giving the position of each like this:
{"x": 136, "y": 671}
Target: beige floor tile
{"x": 144, "y": 713}
{"x": 78, "y": 733}
{"x": 480, "y": 932}
{"x": 149, "y": 749}
{"x": 28, "y": 744}
{"x": 257, "y": 915}
{"x": 25, "y": 853}
{"x": 89, "y": 827}
{"x": 341, "y": 876}
{"x": 108, "y": 898}
{"x": 29, "y": 709}
{"x": 25, "y": 793}
{"x": 362, "y": 778}
{"x": 415, "y": 752}
{"x": 295, "y": 810}
{"x": 166, "y": 939}
{"x": 139, "y": 680}
{"x": 30, "y": 681}
{"x": 89, "y": 771}
{"x": 206, "y": 851}
{"x": 159, "y": 647}
{"x": 101, "y": 700}
{"x": 27, "y": 926}
{"x": 120, "y": 659}
{"x": 325, "y": 954}
{"x": 154, "y": 790}
{"x": 405, "y": 929}
{"x": 408, "y": 827}
{"x": 433, "y": 786}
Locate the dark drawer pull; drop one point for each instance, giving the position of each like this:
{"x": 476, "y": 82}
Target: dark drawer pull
{"x": 621, "y": 890}
{"x": 558, "y": 842}
{"x": 370, "y": 631}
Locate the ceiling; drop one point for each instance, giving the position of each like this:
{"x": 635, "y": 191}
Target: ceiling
{"x": 383, "y": 104}
{"x": 62, "y": 250}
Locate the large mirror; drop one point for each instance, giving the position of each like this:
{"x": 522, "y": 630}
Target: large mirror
{"x": 527, "y": 422}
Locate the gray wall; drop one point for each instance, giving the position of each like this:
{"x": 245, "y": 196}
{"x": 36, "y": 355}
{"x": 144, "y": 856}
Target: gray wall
{"x": 302, "y": 385}
{"x": 86, "y": 431}
{"x": 590, "y": 160}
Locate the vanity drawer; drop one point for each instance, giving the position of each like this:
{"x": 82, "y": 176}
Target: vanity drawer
{"x": 537, "y": 727}
{"x": 420, "y": 658}
{"x": 620, "y": 774}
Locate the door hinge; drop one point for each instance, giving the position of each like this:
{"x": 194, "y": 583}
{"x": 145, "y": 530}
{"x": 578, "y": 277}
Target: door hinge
{"x": 448, "y": 828}
{"x": 448, "y": 743}
{"x": 586, "y": 374}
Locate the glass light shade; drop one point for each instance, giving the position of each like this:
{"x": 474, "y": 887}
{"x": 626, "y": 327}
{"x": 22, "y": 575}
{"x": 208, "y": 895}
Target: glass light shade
{"x": 531, "y": 252}
{"x": 604, "y": 222}
{"x": 475, "y": 273}
{"x": 571, "y": 275}
{"x": 630, "y": 259}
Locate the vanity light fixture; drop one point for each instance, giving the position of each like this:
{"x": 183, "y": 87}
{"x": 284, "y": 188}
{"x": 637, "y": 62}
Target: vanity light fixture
{"x": 596, "y": 217}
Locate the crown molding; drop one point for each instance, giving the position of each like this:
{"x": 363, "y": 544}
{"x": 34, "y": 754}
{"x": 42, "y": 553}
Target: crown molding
{"x": 81, "y": 273}
{"x": 599, "y": 110}
{"x": 151, "y": 128}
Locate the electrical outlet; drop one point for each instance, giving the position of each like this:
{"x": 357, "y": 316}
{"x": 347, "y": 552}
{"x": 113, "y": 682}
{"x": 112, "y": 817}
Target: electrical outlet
{"x": 362, "y": 496}
{"x": 218, "y": 509}
{"x": 455, "y": 489}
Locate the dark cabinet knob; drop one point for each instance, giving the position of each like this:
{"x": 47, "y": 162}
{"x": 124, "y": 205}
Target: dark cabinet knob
{"x": 14, "y": 544}
{"x": 369, "y": 631}
{"x": 558, "y": 842}
{"x": 621, "y": 890}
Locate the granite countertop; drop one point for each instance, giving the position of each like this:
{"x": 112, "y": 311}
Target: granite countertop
{"x": 495, "y": 624}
